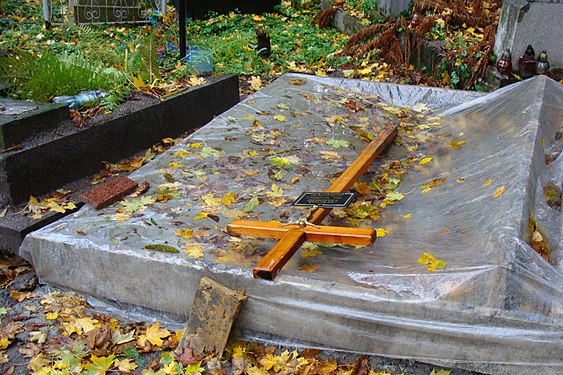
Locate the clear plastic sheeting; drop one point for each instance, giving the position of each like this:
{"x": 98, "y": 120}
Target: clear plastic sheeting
{"x": 461, "y": 190}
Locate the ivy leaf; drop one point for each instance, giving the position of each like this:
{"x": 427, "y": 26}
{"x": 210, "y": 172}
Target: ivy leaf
{"x": 337, "y": 143}
{"x": 99, "y": 365}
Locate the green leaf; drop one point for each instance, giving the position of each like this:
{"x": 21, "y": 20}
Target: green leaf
{"x": 3, "y": 311}
{"x": 162, "y": 248}
{"x": 99, "y": 365}
{"x": 337, "y": 143}
{"x": 441, "y": 372}
{"x": 251, "y": 205}
{"x": 131, "y": 353}
{"x": 194, "y": 369}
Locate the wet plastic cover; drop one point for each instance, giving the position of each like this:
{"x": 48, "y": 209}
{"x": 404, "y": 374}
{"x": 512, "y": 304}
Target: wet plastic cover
{"x": 458, "y": 201}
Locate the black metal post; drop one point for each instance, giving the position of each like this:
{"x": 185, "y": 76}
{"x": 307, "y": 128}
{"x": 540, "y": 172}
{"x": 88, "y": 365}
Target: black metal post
{"x": 182, "y": 27}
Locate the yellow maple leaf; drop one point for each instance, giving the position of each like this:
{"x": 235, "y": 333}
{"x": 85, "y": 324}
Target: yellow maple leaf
{"x": 487, "y": 183}
{"x": 499, "y": 191}
{"x": 210, "y": 200}
{"x": 407, "y": 216}
{"x": 193, "y": 250}
{"x": 52, "y": 315}
{"x": 255, "y": 83}
{"x": 425, "y": 160}
{"x": 431, "y": 262}
{"x": 4, "y": 343}
{"x": 228, "y": 199}
{"x": 186, "y": 233}
{"x": 181, "y": 154}
{"x": 125, "y": 365}
{"x": 309, "y": 268}
{"x": 99, "y": 365}
{"x": 87, "y": 324}
{"x": 381, "y": 232}
{"x": 201, "y": 215}
{"x": 280, "y": 118}
{"x": 154, "y": 335}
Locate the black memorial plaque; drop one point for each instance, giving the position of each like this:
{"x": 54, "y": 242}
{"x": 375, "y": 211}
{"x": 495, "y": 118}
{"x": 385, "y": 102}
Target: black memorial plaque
{"x": 325, "y": 199}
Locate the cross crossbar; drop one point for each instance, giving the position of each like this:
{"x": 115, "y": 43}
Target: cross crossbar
{"x": 291, "y": 237}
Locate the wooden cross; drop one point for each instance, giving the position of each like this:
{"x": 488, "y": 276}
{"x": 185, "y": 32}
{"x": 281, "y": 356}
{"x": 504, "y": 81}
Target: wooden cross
{"x": 291, "y": 236}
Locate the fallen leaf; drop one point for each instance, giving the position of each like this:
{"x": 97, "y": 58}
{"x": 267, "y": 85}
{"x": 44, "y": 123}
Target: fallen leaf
{"x": 125, "y": 365}
{"x": 431, "y": 262}
{"x": 255, "y": 83}
{"x": 487, "y": 183}
{"x": 309, "y": 268}
{"x": 154, "y": 335}
{"x": 99, "y": 365}
{"x": 425, "y": 161}
{"x": 432, "y": 184}
{"x": 185, "y": 233}
{"x": 280, "y": 118}
{"x": 297, "y": 82}
{"x": 499, "y": 191}
{"x": 407, "y": 216}
{"x": 337, "y": 143}
{"x": 457, "y": 144}
{"x": 381, "y": 232}
{"x": 193, "y": 250}
{"x": 251, "y": 205}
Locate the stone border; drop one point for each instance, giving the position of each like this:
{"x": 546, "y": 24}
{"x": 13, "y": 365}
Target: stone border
{"x": 40, "y": 169}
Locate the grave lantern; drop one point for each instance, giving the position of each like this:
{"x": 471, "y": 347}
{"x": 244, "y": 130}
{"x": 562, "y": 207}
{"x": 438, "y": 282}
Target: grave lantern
{"x": 504, "y": 64}
{"x": 542, "y": 65}
{"x": 527, "y": 62}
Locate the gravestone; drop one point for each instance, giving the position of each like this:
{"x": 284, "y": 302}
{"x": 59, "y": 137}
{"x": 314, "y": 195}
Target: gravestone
{"x": 476, "y": 181}
{"x": 535, "y": 22}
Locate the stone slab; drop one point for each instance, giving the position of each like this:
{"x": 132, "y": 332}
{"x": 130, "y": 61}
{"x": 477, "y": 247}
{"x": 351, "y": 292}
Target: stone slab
{"x": 496, "y": 307}
{"x": 21, "y": 119}
{"x": 538, "y": 23}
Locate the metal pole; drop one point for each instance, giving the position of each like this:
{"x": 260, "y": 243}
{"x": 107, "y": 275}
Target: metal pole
{"x": 182, "y": 27}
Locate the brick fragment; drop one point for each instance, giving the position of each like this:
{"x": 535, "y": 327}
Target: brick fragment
{"x": 109, "y": 192}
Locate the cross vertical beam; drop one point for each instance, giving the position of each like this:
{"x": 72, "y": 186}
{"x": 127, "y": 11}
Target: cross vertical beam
{"x": 291, "y": 237}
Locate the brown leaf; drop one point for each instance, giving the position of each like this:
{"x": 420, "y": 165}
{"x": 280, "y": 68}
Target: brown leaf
{"x": 99, "y": 339}
{"x": 361, "y": 366}
{"x": 187, "y": 356}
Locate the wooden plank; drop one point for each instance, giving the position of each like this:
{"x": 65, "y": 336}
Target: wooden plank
{"x": 210, "y": 320}
{"x": 277, "y": 257}
{"x": 340, "y": 235}
{"x": 358, "y": 167}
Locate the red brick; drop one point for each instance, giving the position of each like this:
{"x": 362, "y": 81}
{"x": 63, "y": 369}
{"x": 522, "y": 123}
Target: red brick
{"x": 109, "y": 192}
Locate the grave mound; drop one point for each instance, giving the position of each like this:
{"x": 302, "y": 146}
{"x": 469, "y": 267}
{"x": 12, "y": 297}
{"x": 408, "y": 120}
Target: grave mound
{"x": 456, "y": 200}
